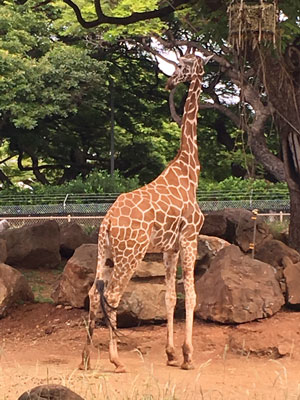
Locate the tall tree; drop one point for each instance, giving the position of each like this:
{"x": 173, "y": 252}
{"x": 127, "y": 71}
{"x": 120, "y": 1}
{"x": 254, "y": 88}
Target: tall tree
{"x": 55, "y": 100}
{"x": 266, "y": 78}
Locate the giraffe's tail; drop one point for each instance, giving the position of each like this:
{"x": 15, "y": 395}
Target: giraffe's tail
{"x": 105, "y": 306}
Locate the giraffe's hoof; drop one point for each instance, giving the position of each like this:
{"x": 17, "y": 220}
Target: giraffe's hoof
{"x": 187, "y": 366}
{"x": 173, "y": 363}
{"x": 84, "y": 367}
{"x": 120, "y": 369}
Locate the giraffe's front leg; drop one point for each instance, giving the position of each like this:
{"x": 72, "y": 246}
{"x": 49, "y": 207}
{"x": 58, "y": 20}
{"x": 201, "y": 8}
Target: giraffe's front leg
{"x": 188, "y": 258}
{"x": 170, "y": 261}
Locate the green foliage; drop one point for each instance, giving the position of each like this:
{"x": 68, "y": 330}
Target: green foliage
{"x": 278, "y": 229}
{"x": 232, "y": 188}
{"x": 52, "y": 84}
{"x": 55, "y": 93}
{"x": 96, "y": 182}
{"x": 107, "y": 32}
{"x": 55, "y": 100}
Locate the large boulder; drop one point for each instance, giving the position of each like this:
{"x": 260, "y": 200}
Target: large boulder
{"x": 3, "y": 251}
{"x": 207, "y": 248}
{"x": 50, "y": 392}
{"x": 143, "y": 299}
{"x": 236, "y": 226}
{"x": 33, "y": 246}
{"x": 150, "y": 269}
{"x": 291, "y": 274}
{"x": 13, "y": 288}
{"x": 272, "y": 251}
{"x": 237, "y": 289}
{"x": 78, "y": 277}
{"x": 4, "y": 225}
{"x": 278, "y": 254}
{"x": 71, "y": 236}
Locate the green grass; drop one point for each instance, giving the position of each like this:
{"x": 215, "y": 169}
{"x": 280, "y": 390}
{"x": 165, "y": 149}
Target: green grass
{"x": 277, "y": 228}
{"x": 39, "y": 285}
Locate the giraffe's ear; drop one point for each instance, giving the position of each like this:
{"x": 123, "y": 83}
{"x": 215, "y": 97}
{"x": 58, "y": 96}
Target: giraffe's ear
{"x": 206, "y": 59}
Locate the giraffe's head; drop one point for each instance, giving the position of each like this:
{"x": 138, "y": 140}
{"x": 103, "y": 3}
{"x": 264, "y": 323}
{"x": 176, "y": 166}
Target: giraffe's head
{"x": 188, "y": 65}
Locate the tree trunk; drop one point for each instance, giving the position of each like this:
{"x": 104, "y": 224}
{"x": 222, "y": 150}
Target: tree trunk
{"x": 290, "y": 144}
{"x": 5, "y": 179}
{"x": 37, "y": 173}
{"x": 294, "y": 230}
{"x": 281, "y": 78}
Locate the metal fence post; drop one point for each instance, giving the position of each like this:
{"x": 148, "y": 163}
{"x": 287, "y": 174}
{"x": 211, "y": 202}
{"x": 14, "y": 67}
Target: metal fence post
{"x": 252, "y": 245}
{"x": 65, "y": 201}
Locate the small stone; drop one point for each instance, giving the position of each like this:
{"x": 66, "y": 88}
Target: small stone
{"x": 49, "y": 330}
{"x": 59, "y": 306}
{"x": 284, "y": 349}
{"x": 68, "y": 307}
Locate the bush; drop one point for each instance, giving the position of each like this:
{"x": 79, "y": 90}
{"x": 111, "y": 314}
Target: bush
{"x": 99, "y": 182}
{"x": 234, "y": 188}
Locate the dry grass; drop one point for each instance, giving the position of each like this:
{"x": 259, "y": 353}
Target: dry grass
{"x": 212, "y": 380}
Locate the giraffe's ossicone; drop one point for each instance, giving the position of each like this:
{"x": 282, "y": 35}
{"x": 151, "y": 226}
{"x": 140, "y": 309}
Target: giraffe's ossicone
{"x": 163, "y": 215}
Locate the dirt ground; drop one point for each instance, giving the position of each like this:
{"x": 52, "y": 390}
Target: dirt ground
{"x": 40, "y": 343}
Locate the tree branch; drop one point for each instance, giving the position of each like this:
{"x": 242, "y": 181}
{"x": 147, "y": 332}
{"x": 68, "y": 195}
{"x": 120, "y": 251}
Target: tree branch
{"x": 156, "y": 53}
{"x": 134, "y": 17}
{"x": 4, "y": 178}
{"x": 223, "y": 109}
{"x": 7, "y": 158}
{"x": 256, "y": 138}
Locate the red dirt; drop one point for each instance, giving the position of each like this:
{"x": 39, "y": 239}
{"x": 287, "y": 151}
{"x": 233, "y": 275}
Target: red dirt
{"x": 42, "y": 344}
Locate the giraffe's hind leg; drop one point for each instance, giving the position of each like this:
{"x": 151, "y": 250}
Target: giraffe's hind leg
{"x": 113, "y": 346}
{"x": 94, "y": 307}
{"x": 124, "y": 267}
{"x": 110, "y": 318}
{"x": 170, "y": 261}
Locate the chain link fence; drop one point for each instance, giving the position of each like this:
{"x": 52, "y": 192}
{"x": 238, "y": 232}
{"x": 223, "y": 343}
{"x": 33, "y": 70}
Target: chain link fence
{"x": 89, "y": 209}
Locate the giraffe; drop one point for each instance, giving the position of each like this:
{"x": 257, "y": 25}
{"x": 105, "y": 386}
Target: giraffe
{"x": 164, "y": 215}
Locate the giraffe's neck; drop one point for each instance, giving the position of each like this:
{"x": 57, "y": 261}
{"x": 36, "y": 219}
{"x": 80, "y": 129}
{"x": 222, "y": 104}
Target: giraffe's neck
{"x": 188, "y": 148}
{"x": 186, "y": 162}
